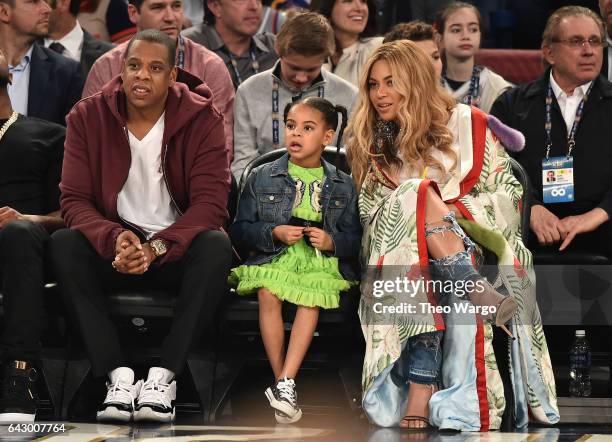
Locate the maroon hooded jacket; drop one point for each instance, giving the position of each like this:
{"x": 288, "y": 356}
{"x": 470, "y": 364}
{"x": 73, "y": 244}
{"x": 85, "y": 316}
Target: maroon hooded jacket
{"x": 195, "y": 163}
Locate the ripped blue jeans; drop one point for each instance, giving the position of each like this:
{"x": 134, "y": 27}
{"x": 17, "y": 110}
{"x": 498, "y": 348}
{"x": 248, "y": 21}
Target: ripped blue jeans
{"x": 457, "y": 267}
{"x": 422, "y": 358}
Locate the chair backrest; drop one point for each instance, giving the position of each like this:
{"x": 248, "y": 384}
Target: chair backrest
{"x": 521, "y": 175}
{"x": 518, "y": 66}
{"x": 329, "y": 154}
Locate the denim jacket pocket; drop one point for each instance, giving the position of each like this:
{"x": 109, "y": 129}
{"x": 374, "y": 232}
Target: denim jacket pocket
{"x": 336, "y": 206}
{"x": 269, "y": 205}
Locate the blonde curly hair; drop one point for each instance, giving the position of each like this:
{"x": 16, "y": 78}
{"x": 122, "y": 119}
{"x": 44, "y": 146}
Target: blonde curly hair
{"x": 423, "y": 113}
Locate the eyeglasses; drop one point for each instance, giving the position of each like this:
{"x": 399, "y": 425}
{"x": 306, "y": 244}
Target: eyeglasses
{"x": 577, "y": 43}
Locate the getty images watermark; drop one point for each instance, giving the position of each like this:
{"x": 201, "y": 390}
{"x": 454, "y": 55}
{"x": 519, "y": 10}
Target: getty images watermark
{"x": 402, "y": 287}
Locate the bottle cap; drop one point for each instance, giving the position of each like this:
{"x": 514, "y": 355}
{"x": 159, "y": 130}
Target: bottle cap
{"x": 580, "y": 333}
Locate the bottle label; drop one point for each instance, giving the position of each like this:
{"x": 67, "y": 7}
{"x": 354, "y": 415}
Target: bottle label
{"x": 580, "y": 360}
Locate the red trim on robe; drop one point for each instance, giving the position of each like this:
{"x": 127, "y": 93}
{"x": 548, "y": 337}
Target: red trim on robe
{"x": 479, "y": 132}
{"x": 479, "y": 136}
{"x": 481, "y": 376}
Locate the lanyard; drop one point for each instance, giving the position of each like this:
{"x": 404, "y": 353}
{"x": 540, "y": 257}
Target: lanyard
{"x": 276, "y": 111}
{"x": 234, "y": 62}
{"x": 180, "y": 55}
{"x": 571, "y": 142}
{"x": 472, "y": 97}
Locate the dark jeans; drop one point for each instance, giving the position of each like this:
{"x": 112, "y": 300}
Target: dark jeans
{"x": 199, "y": 279}
{"x": 22, "y": 258}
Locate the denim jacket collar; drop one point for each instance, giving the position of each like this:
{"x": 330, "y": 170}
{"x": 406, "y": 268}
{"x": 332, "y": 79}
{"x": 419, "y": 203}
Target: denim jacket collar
{"x": 281, "y": 167}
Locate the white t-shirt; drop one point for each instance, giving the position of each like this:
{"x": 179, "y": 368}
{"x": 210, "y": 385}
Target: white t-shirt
{"x": 144, "y": 199}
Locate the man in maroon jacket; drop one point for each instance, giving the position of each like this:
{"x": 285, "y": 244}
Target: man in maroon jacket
{"x": 144, "y": 188}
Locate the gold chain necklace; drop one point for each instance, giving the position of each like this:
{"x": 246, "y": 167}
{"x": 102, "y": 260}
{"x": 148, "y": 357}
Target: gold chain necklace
{"x": 8, "y": 123}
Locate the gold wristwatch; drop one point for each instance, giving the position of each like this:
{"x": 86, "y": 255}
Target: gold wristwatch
{"x": 158, "y": 246}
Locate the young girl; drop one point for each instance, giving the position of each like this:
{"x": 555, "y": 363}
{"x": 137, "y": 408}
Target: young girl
{"x": 353, "y": 23}
{"x": 460, "y": 25}
{"x": 298, "y": 218}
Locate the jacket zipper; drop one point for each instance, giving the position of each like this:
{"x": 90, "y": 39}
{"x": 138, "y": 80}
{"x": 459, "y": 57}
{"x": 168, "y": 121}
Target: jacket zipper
{"x": 163, "y": 167}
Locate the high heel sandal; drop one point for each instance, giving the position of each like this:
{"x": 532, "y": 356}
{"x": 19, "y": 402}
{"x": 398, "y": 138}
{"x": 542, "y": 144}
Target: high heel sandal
{"x": 408, "y": 420}
{"x": 505, "y": 306}
{"x": 505, "y": 311}
{"x": 411, "y": 420}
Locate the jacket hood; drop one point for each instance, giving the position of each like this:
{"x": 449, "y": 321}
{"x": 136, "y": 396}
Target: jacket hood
{"x": 186, "y": 98}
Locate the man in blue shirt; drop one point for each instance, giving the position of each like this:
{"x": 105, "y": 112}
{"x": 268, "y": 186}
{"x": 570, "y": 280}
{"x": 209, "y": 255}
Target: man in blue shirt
{"x": 45, "y": 84}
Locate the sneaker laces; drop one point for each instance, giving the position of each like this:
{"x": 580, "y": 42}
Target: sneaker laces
{"x": 154, "y": 392}
{"x": 119, "y": 392}
{"x": 286, "y": 390}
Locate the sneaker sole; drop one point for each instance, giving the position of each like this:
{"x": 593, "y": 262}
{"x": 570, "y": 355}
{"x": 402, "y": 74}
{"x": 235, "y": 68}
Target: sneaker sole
{"x": 283, "y": 407}
{"x": 11, "y": 418}
{"x": 146, "y": 414}
{"x": 112, "y": 414}
{"x": 282, "y": 418}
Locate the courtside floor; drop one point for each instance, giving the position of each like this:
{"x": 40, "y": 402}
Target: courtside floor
{"x": 246, "y": 416}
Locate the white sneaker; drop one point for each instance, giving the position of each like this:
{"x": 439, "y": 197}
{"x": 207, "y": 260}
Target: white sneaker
{"x": 282, "y": 418}
{"x": 119, "y": 402}
{"x": 283, "y": 398}
{"x": 156, "y": 399}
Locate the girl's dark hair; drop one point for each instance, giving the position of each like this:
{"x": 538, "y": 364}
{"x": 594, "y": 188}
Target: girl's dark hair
{"x": 330, "y": 115}
{"x": 453, "y": 7}
{"x": 324, "y": 7}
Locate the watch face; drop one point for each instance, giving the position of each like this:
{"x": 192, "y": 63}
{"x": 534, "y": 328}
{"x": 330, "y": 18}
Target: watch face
{"x": 158, "y": 246}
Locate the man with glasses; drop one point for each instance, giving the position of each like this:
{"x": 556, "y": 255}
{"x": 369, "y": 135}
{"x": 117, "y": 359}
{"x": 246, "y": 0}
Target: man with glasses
{"x": 230, "y": 30}
{"x": 565, "y": 117}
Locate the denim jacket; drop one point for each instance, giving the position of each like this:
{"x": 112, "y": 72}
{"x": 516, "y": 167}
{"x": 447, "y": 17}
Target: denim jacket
{"x": 267, "y": 202}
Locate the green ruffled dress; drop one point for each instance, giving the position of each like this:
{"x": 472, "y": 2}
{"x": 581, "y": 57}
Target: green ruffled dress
{"x": 300, "y": 275}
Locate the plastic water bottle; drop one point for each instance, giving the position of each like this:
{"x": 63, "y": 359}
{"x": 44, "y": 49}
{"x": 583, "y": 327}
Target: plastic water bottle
{"x": 580, "y": 366}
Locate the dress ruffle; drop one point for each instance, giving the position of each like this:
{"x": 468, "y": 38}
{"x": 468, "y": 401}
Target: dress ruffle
{"x": 298, "y": 276}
